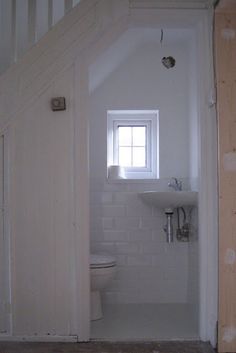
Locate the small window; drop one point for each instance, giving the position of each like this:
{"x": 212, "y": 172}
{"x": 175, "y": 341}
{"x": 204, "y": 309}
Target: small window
{"x": 133, "y": 142}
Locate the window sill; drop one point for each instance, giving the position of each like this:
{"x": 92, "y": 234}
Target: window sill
{"x": 127, "y": 181}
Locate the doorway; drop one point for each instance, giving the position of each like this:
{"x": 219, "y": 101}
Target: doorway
{"x": 205, "y": 134}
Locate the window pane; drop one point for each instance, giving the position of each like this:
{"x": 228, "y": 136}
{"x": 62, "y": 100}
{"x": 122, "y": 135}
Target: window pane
{"x": 139, "y": 135}
{"x": 139, "y": 157}
{"x": 124, "y": 135}
{"x": 125, "y": 156}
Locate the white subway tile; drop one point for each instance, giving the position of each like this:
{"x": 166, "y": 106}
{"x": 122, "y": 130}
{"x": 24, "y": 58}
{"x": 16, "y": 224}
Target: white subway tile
{"x": 176, "y": 291}
{"x": 96, "y": 236}
{"x": 128, "y": 297}
{"x": 152, "y": 223}
{"x": 127, "y": 273}
{"x": 121, "y": 260}
{"x": 140, "y": 187}
{"x": 95, "y": 197}
{"x": 103, "y": 248}
{"x": 148, "y": 269}
{"x": 158, "y": 296}
{"x": 139, "y": 260}
{"x": 158, "y": 260}
{"x": 106, "y": 198}
{"x": 95, "y": 211}
{"x": 113, "y": 186}
{"x": 134, "y": 200}
{"x": 158, "y": 212}
{"x": 140, "y": 210}
{"x": 119, "y": 198}
{"x": 96, "y": 184}
{"x": 107, "y": 223}
{"x": 140, "y": 235}
{"x": 113, "y": 211}
{"x": 159, "y": 235}
{"x": 127, "y": 223}
{"x": 128, "y": 285}
{"x": 110, "y": 297}
{"x": 96, "y": 224}
{"x": 150, "y": 273}
{"x": 94, "y": 247}
{"x": 127, "y": 248}
{"x": 152, "y": 286}
{"x": 115, "y": 235}
{"x": 174, "y": 273}
{"x": 152, "y": 248}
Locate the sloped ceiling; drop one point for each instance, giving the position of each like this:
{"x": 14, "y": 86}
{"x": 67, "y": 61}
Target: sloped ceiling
{"x": 126, "y": 45}
{"x": 122, "y": 48}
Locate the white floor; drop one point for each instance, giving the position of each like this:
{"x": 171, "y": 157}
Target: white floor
{"x": 131, "y": 322}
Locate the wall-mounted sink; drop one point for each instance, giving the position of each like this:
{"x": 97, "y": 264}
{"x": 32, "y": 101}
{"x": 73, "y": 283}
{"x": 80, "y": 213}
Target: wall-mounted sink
{"x": 170, "y": 199}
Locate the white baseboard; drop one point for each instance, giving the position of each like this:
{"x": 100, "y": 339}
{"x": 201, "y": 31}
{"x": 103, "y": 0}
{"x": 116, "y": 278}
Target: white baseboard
{"x": 47, "y": 338}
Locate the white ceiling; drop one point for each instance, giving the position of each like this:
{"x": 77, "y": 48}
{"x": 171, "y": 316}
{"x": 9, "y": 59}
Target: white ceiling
{"x": 126, "y": 44}
{"x": 122, "y": 48}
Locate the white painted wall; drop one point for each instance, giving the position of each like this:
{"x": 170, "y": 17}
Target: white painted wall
{"x": 149, "y": 269}
{"x": 193, "y": 115}
{"x": 142, "y": 82}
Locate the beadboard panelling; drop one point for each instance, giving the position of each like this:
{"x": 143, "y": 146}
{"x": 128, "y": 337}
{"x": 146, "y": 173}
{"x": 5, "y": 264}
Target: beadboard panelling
{"x": 42, "y": 217}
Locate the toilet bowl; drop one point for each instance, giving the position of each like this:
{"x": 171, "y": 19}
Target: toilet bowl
{"x": 102, "y": 269}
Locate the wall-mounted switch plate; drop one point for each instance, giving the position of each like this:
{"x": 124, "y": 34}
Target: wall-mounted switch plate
{"x": 58, "y": 103}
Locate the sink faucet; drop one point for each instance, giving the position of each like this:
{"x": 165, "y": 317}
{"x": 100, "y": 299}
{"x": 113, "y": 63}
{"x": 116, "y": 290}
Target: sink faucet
{"x": 175, "y": 184}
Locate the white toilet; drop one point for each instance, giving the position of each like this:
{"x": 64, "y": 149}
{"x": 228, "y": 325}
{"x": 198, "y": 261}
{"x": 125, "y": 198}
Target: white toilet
{"x": 102, "y": 269}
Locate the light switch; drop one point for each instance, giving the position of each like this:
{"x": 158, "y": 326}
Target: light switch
{"x": 58, "y": 103}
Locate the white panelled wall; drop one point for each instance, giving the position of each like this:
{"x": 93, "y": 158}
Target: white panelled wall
{"x": 3, "y": 255}
{"x": 42, "y": 226}
{"x": 48, "y": 213}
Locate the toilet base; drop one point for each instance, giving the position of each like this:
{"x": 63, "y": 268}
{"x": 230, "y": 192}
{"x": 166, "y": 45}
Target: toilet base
{"x": 96, "y": 306}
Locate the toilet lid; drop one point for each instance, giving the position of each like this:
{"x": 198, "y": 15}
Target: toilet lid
{"x": 98, "y": 261}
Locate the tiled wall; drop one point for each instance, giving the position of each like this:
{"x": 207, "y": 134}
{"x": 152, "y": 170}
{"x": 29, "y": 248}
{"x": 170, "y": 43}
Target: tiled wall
{"x": 148, "y": 269}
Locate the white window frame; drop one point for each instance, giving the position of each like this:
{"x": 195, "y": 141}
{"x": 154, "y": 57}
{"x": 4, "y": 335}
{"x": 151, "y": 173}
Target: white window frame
{"x": 147, "y": 118}
{"x": 145, "y": 123}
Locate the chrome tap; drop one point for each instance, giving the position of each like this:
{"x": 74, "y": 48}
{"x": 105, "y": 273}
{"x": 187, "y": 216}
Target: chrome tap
{"x": 175, "y": 184}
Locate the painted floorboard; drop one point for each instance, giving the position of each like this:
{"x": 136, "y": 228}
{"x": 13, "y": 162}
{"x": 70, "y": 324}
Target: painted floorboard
{"x": 106, "y": 347}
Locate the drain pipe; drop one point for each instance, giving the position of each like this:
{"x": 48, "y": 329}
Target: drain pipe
{"x": 168, "y": 228}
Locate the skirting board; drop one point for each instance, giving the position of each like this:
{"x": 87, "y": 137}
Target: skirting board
{"x": 47, "y": 338}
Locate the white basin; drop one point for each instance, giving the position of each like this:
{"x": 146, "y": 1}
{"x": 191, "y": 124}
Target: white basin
{"x": 170, "y": 199}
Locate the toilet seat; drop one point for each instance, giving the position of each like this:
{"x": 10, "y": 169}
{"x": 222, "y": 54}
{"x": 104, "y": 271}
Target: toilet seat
{"x": 101, "y": 261}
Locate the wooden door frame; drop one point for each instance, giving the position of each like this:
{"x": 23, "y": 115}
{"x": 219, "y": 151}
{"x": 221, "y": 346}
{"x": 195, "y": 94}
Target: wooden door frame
{"x": 225, "y": 36}
{"x": 208, "y": 183}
